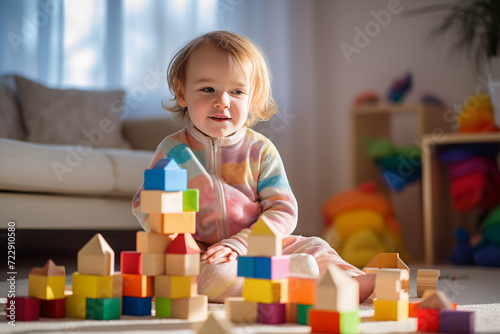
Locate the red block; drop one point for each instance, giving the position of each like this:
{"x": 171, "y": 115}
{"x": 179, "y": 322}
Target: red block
{"x": 428, "y": 320}
{"x": 324, "y": 321}
{"x": 22, "y": 309}
{"x": 271, "y": 314}
{"x": 130, "y": 262}
{"x": 184, "y": 243}
{"x": 52, "y": 308}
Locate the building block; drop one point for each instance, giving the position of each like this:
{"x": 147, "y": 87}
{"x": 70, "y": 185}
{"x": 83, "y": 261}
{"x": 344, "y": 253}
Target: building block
{"x": 165, "y": 175}
{"x": 337, "y": 291}
{"x": 136, "y": 306}
{"x": 52, "y": 308}
{"x": 138, "y": 285}
{"x": 349, "y": 322}
{"x": 163, "y": 307}
{"x": 428, "y": 320}
{"x": 163, "y": 286}
{"x": 170, "y": 223}
{"x": 265, "y": 291}
{"x": 392, "y": 284}
{"x": 263, "y": 245}
{"x": 159, "y": 201}
{"x": 261, "y": 227}
{"x": 191, "y": 200}
{"x": 457, "y": 322}
{"x": 103, "y": 308}
{"x": 22, "y": 308}
{"x": 396, "y": 310}
{"x": 302, "y": 290}
{"x": 92, "y": 286}
{"x": 76, "y": 307}
{"x": 153, "y": 264}
{"x": 323, "y": 321}
{"x": 182, "y": 264}
{"x": 292, "y": 313}
{"x": 192, "y": 308}
{"x": 412, "y": 309}
{"x": 303, "y": 314}
{"x": 274, "y": 267}
{"x": 152, "y": 243}
{"x": 436, "y": 300}
{"x": 271, "y": 314}
{"x": 96, "y": 257}
{"x": 47, "y": 282}
{"x": 214, "y": 325}
{"x": 386, "y": 260}
{"x": 246, "y": 266}
{"x": 184, "y": 286}
{"x": 238, "y": 310}
{"x": 183, "y": 244}
{"x": 130, "y": 262}
{"x": 117, "y": 285}
{"x": 427, "y": 280}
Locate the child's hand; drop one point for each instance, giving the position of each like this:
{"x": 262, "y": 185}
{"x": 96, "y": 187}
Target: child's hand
{"x": 219, "y": 253}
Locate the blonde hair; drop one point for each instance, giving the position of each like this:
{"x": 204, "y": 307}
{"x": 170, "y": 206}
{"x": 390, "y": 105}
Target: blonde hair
{"x": 242, "y": 52}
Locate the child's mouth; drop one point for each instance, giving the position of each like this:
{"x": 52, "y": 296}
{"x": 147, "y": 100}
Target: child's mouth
{"x": 219, "y": 118}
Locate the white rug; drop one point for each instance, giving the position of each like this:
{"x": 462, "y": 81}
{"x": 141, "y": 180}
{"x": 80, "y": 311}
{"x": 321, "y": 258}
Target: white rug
{"x": 472, "y": 288}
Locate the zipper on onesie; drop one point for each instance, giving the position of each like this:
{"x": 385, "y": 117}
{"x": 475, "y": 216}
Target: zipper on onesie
{"x": 220, "y": 203}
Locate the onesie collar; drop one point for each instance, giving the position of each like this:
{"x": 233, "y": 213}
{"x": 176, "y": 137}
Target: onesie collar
{"x": 222, "y": 141}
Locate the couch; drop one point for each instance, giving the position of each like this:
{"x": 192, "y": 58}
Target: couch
{"x": 72, "y": 159}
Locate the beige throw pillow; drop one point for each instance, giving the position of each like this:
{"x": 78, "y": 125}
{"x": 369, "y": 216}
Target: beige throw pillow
{"x": 10, "y": 116}
{"x": 71, "y": 116}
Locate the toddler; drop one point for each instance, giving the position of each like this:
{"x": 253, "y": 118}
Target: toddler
{"x": 221, "y": 87}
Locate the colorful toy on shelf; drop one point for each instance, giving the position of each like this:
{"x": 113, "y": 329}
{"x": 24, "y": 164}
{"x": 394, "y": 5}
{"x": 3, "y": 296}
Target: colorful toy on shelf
{"x": 360, "y": 224}
{"x": 431, "y": 99}
{"x": 366, "y": 98}
{"x": 399, "y": 88}
{"x": 477, "y": 115}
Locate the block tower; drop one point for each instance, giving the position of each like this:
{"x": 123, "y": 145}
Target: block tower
{"x": 166, "y": 261}
{"x": 392, "y": 287}
{"x": 94, "y": 295}
{"x": 266, "y": 278}
{"x": 337, "y": 303}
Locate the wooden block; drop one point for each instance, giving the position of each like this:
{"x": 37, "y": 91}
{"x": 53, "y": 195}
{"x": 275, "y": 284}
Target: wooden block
{"x": 412, "y": 309}
{"x": 96, "y": 257}
{"x": 76, "y": 307}
{"x": 46, "y": 287}
{"x": 428, "y": 320}
{"x": 138, "y": 285}
{"x": 460, "y": 322}
{"x": 130, "y": 262}
{"x": 192, "y": 308}
{"x": 163, "y": 286}
{"x": 274, "y": 267}
{"x": 182, "y": 264}
{"x": 349, "y": 322}
{"x": 323, "y": 321}
{"x": 246, "y": 266}
{"x": 52, "y": 308}
{"x": 292, "y": 313}
{"x": 271, "y": 314}
{"x": 427, "y": 280}
{"x": 92, "y": 286}
{"x": 50, "y": 269}
{"x": 163, "y": 307}
{"x": 302, "y": 290}
{"x": 436, "y": 300}
{"x": 117, "y": 285}
{"x": 184, "y": 286}
{"x": 22, "y": 308}
{"x": 191, "y": 200}
{"x": 165, "y": 175}
{"x": 136, "y": 306}
{"x": 387, "y": 260}
{"x": 303, "y": 314}
{"x": 214, "y": 325}
{"x": 238, "y": 310}
{"x": 152, "y": 243}
{"x": 396, "y": 310}
{"x": 264, "y": 245}
{"x": 153, "y": 264}
{"x": 265, "y": 291}
{"x": 337, "y": 291}
{"x": 392, "y": 284}
{"x": 103, "y": 308}
{"x": 183, "y": 244}
{"x": 261, "y": 227}
{"x": 158, "y": 201}
{"x": 181, "y": 222}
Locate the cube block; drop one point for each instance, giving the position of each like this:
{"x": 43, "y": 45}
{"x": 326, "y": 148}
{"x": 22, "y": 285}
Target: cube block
{"x": 238, "y": 310}
{"x": 46, "y": 287}
{"x": 274, "y": 267}
{"x": 182, "y": 264}
{"x": 265, "y": 291}
{"x": 192, "y": 308}
{"x": 92, "y": 286}
{"x": 136, "y": 306}
{"x": 349, "y": 322}
{"x": 138, "y": 285}
{"x": 246, "y": 266}
{"x": 158, "y": 201}
{"x": 263, "y": 245}
{"x": 130, "y": 262}
{"x": 303, "y": 313}
{"x": 191, "y": 200}
{"x": 302, "y": 290}
{"x": 163, "y": 307}
{"x": 271, "y": 314}
{"x": 52, "y": 308}
{"x": 103, "y": 308}
{"x": 76, "y": 307}
{"x": 165, "y": 179}
{"x": 460, "y": 322}
{"x": 324, "y": 321}
{"x": 152, "y": 243}
{"x": 153, "y": 264}
{"x": 428, "y": 320}
{"x": 170, "y": 223}
{"x": 396, "y": 310}
{"x": 22, "y": 309}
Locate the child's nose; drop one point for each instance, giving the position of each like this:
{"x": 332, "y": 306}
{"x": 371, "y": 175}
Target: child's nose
{"x": 222, "y": 101}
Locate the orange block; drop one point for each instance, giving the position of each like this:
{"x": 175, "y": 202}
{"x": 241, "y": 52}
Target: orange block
{"x": 324, "y": 321}
{"x": 412, "y": 309}
{"x": 138, "y": 285}
{"x": 302, "y": 290}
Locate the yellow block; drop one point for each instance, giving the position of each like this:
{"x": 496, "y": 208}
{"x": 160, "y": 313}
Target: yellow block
{"x": 391, "y": 310}
{"x": 92, "y": 286}
{"x": 46, "y": 287}
{"x": 76, "y": 307}
{"x": 184, "y": 286}
{"x": 265, "y": 291}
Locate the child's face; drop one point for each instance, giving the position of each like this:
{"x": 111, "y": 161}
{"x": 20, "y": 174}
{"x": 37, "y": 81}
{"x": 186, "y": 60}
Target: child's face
{"x": 216, "y": 94}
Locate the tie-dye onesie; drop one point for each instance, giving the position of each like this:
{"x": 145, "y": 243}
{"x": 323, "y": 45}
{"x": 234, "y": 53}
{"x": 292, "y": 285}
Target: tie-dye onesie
{"x": 240, "y": 178}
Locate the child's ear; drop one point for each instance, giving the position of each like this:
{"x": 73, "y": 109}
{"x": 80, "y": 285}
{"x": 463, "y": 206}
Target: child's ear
{"x": 179, "y": 95}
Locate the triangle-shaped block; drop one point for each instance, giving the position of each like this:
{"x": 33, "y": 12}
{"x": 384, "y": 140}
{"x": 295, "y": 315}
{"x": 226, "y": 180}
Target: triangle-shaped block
{"x": 50, "y": 269}
{"x": 184, "y": 243}
{"x": 261, "y": 227}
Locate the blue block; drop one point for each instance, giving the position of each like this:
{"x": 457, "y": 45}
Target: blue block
{"x": 274, "y": 267}
{"x": 136, "y": 306}
{"x": 165, "y": 175}
{"x": 246, "y": 266}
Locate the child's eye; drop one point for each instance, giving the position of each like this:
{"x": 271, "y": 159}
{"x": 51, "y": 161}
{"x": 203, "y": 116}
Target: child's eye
{"x": 238, "y": 92}
{"x": 207, "y": 90}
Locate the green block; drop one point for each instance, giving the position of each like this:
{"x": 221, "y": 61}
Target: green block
{"x": 303, "y": 314}
{"x": 349, "y": 322}
{"x": 163, "y": 307}
{"x": 191, "y": 200}
{"x": 103, "y": 308}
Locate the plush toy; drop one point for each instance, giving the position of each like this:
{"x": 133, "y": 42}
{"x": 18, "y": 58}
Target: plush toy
{"x": 366, "y": 98}
{"x": 360, "y": 224}
{"x": 477, "y": 115}
{"x": 399, "y": 88}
